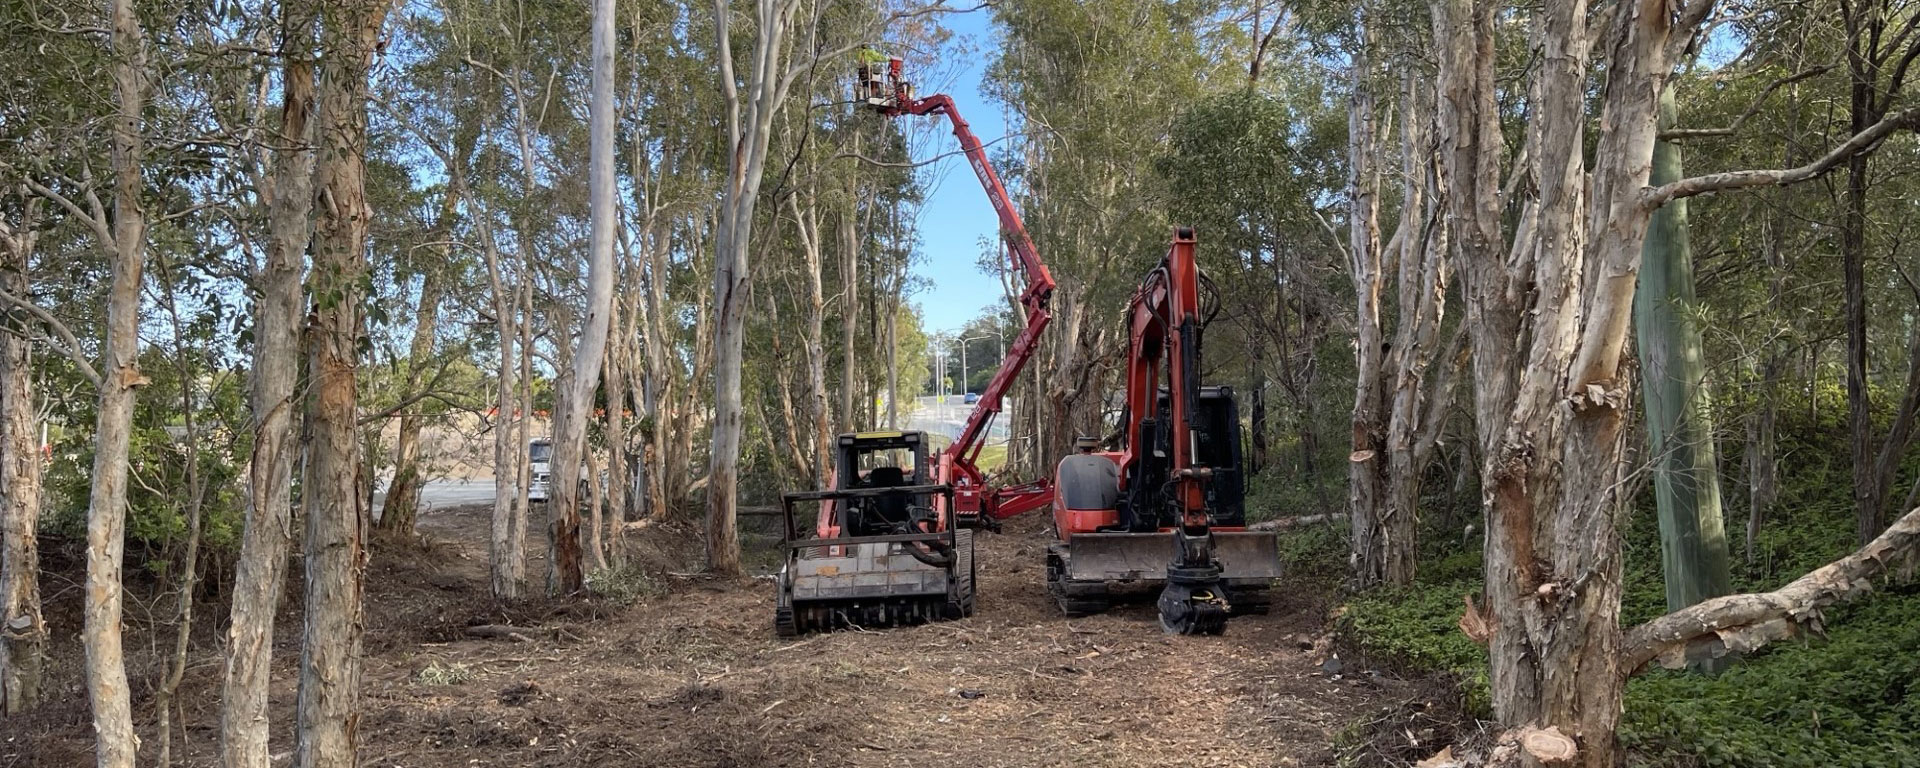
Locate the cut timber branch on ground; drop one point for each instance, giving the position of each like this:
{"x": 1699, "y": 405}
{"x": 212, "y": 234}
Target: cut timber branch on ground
{"x": 1741, "y": 623}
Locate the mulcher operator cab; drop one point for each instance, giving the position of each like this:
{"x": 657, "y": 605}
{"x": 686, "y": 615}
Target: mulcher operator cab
{"x": 865, "y": 460}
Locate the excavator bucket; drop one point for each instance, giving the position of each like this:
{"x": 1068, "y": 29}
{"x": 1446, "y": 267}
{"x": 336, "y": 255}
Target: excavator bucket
{"x": 1092, "y": 569}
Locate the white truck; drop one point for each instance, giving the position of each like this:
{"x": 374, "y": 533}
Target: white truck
{"x": 540, "y": 461}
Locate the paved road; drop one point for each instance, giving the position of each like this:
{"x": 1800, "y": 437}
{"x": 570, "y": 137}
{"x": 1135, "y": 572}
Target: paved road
{"x": 950, "y": 417}
{"x": 440, "y": 494}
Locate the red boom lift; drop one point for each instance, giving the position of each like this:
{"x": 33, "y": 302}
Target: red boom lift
{"x": 888, "y": 546}
{"x": 974, "y": 503}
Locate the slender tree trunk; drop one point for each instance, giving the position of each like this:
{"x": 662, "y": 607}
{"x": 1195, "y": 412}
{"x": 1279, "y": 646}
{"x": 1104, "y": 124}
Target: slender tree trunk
{"x": 748, "y": 135}
{"x": 115, "y": 743}
{"x": 502, "y": 557}
{"x": 660, "y": 393}
{"x": 1763, "y": 474}
{"x": 260, "y": 574}
{"x": 570, "y": 433}
{"x": 23, "y": 629}
{"x": 619, "y": 473}
{"x": 523, "y": 420}
{"x": 1686, "y": 479}
{"x": 189, "y": 560}
{"x": 1416, "y": 399}
{"x": 1374, "y": 557}
{"x": 820, "y": 419}
{"x": 849, "y": 289}
{"x": 1863, "y": 24}
{"x": 402, "y": 506}
{"x": 328, "y": 706}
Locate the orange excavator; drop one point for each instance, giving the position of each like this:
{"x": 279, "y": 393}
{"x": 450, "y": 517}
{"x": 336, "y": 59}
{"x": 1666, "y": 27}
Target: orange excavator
{"x": 1167, "y": 507}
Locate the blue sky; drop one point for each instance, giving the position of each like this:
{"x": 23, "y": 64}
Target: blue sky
{"x": 957, "y": 216}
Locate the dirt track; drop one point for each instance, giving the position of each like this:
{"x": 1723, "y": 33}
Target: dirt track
{"x": 693, "y": 675}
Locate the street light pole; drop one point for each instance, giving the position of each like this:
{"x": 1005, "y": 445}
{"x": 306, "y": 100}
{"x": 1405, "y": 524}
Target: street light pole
{"x": 963, "y": 358}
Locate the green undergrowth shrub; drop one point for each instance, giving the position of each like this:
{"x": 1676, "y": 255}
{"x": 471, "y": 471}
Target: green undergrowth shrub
{"x": 1849, "y": 699}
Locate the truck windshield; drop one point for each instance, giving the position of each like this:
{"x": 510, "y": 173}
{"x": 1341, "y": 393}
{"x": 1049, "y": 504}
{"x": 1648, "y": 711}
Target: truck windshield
{"x": 541, "y": 451}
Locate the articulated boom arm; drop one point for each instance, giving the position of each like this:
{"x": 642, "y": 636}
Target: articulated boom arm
{"x": 957, "y": 461}
{"x": 1164, "y": 333}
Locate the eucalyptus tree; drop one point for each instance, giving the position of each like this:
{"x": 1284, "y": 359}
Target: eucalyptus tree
{"x": 754, "y": 93}
{"x": 589, "y": 358}
{"x": 1097, "y": 86}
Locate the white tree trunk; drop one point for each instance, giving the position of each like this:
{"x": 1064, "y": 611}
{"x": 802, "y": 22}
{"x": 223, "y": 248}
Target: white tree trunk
{"x": 570, "y": 433}
{"x": 748, "y": 135}
{"x": 502, "y": 566}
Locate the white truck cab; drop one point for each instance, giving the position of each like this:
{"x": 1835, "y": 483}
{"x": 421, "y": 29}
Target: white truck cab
{"x": 540, "y": 466}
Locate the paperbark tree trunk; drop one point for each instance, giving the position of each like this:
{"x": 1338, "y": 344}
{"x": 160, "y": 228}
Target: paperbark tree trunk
{"x": 115, "y": 743}
{"x": 23, "y": 628}
{"x": 1374, "y": 557}
{"x": 1552, "y": 560}
{"x": 570, "y": 430}
{"x": 402, "y": 507}
{"x": 260, "y": 573}
{"x": 328, "y": 707}
{"x": 1417, "y": 401}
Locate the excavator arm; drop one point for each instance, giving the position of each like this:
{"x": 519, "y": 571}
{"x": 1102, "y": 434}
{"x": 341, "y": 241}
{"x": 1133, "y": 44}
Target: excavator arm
{"x": 1162, "y": 477}
{"x": 972, "y": 499}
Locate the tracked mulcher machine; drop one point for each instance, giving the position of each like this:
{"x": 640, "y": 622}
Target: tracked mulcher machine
{"x": 882, "y": 550}
{"x": 1166, "y": 510}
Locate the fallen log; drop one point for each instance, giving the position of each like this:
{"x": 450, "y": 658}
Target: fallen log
{"x": 1742, "y": 623}
{"x": 1287, "y": 523}
{"x": 498, "y": 632}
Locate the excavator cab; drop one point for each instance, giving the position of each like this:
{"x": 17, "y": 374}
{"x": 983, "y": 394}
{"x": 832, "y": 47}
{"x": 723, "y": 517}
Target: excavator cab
{"x": 882, "y": 550}
{"x": 1115, "y": 543}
